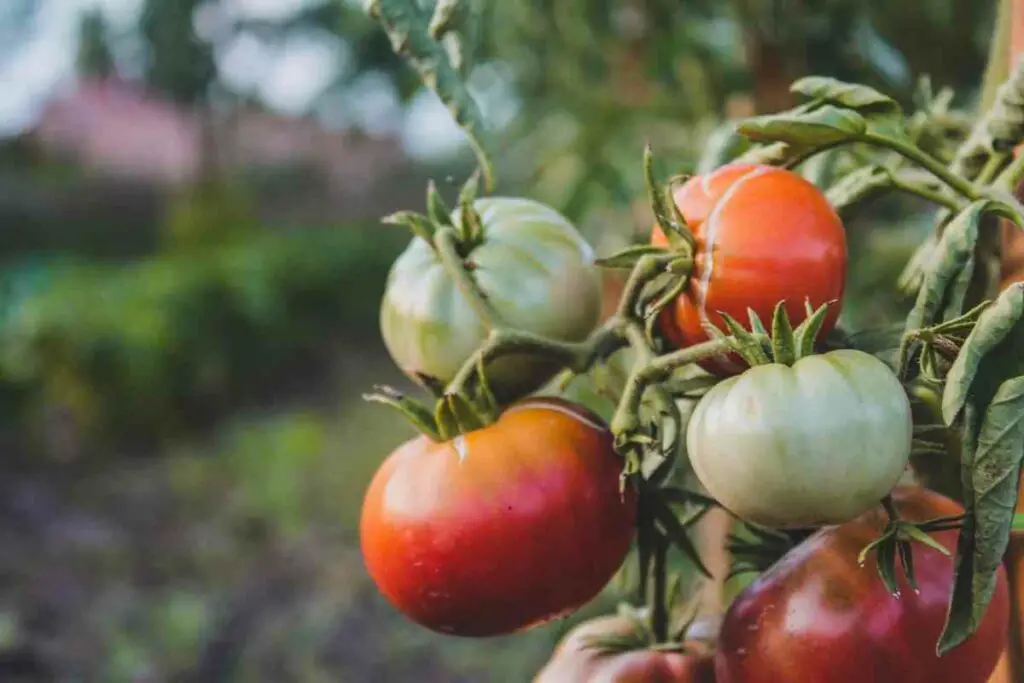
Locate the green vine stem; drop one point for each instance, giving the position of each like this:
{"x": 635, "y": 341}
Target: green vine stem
{"x": 659, "y": 369}
{"x": 926, "y": 161}
{"x": 660, "y": 609}
{"x": 575, "y": 356}
{"x": 446, "y": 242}
{"x": 409, "y": 29}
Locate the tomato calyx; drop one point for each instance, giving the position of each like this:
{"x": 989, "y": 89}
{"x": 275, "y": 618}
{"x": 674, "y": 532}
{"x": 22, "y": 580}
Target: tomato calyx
{"x": 762, "y": 547}
{"x": 453, "y": 413}
{"x": 894, "y": 543}
{"x": 785, "y": 344}
{"x": 468, "y": 228}
{"x": 663, "y": 272}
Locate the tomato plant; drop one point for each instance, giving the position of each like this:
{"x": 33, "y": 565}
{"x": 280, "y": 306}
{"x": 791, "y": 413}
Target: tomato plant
{"x": 580, "y": 658}
{"x": 532, "y": 267}
{"x": 816, "y": 443}
{"x": 790, "y": 430}
{"x": 819, "y": 615}
{"x": 500, "y": 528}
{"x": 762, "y": 235}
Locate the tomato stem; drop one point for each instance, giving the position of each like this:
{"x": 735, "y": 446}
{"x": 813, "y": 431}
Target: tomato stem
{"x": 659, "y": 611}
{"x": 924, "y": 192}
{"x": 626, "y": 419}
{"x": 446, "y": 243}
{"x": 925, "y": 160}
{"x": 576, "y": 356}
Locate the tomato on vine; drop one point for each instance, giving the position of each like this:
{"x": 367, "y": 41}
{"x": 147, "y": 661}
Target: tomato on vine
{"x": 818, "y": 615}
{"x": 531, "y": 267}
{"x": 816, "y": 443}
{"x": 762, "y": 235}
{"x": 503, "y": 527}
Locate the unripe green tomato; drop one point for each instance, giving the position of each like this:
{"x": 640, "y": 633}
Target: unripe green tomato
{"x": 816, "y": 443}
{"x": 534, "y": 268}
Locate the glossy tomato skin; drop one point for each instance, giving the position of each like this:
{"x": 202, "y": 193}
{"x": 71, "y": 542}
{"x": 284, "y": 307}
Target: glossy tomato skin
{"x": 818, "y": 442}
{"x": 818, "y": 616}
{"x": 503, "y": 528}
{"x": 537, "y": 272}
{"x": 763, "y": 235}
{"x": 576, "y": 661}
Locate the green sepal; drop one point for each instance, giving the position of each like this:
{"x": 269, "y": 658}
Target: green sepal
{"x": 806, "y": 333}
{"x": 677, "y": 534}
{"x": 744, "y": 343}
{"x": 418, "y": 415}
{"x": 437, "y": 209}
{"x": 630, "y": 256}
{"x": 783, "y": 339}
{"x": 420, "y": 225}
{"x": 670, "y": 220}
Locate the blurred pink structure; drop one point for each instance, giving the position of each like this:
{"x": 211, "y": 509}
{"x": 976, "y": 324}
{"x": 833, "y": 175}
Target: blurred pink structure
{"x": 117, "y": 129}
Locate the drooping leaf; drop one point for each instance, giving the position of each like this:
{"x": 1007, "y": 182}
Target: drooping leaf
{"x": 850, "y": 95}
{"x": 995, "y": 475}
{"x": 994, "y": 325}
{"x": 954, "y": 253}
{"x": 824, "y": 126}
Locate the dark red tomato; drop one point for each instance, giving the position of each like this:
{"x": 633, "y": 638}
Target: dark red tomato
{"x": 818, "y": 616}
{"x": 763, "y": 234}
{"x": 503, "y": 528}
{"x": 576, "y": 661}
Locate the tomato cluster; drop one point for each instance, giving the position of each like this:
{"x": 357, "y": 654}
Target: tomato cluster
{"x": 500, "y": 520}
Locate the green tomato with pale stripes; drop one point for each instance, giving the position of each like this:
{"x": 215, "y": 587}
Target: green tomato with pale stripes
{"x": 536, "y": 271}
{"x": 818, "y": 442}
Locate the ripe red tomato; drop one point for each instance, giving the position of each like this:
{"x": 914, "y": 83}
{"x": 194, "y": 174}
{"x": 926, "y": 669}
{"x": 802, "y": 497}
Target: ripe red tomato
{"x": 764, "y": 235}
{"x": 818, "y": 616}
{"x": 502, "y": 528}
{"x": 576, "y": 661}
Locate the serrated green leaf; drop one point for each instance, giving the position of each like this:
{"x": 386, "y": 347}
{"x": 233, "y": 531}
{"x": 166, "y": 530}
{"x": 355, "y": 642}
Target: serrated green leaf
{"x": 825, "y": 126}
{"x": 850, "y": 95}
{"x": 994, "y": 325}
{"x": 952, "y": 256}
{"x": 995, "y": 478}
{"x": 961, "y": 619}
{"x": 783, "y": 340}
{"x": 630, "y": 256}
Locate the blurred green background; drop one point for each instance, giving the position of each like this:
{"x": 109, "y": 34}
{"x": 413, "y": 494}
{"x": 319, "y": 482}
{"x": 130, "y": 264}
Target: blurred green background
{"x": 190, "y": 266}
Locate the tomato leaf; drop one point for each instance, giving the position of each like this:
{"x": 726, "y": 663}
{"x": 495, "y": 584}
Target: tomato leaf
{"x": 954, "y": 255}
{"x": 783, "y": 340}
{"x": 993, "y": 326}
{"x": 995, "y": 475}
{"x": 849, "y": 95}
{"x": 437, "y": 210}
{"x": 724, "y": 144}
{"x": 857, "y": 186}
{"x": 630, "y": 256}
{"x": 676, "y": 533}
{"x": 825, "y": 126}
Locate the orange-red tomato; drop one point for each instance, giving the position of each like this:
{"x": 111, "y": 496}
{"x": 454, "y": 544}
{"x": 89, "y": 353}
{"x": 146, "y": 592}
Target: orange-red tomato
{"x": 502, "y": 528}
{"x": 763, "y": 234}
{"x": 819, "y": 616}
{"x": 576, "y": 661}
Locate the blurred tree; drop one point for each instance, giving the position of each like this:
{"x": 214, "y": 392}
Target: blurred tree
{"x": 180, "y": 63}
{"x": 95, "y": 59}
